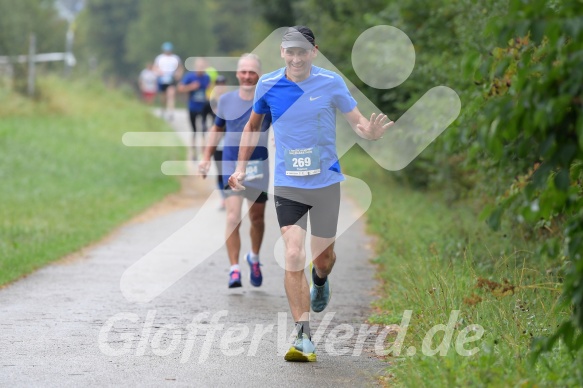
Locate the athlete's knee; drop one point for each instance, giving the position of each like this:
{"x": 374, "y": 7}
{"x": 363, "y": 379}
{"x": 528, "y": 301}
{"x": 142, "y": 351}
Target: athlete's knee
{"x": 257, "y": 220}
{"x": 295, "y": 258}
{"x": 233, "y": 219}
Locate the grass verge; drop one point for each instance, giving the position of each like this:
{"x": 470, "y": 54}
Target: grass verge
{"x": 67, "y": 179}
{"x": 435, "y": 260}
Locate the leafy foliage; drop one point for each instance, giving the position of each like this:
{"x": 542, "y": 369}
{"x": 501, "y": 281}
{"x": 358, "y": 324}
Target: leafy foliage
{"x": 533, "y": 125}
{"x": 183, "y": 22}
{"x": 276, "y": 13}
{"x": 105, "y": 27}
{"x": 231, "y": 22}
{"x": 19, "y": 19}
{"x": 124, "y": 35}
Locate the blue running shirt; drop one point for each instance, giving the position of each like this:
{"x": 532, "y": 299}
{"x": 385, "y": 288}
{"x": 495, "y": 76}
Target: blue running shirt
{"x": 304, "y": 116}
{"x": 196, "y": 98}
{"x": 232, "y": 114}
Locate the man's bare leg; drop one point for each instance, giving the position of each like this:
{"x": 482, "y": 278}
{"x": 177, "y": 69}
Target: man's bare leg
{"x": 170, "y": 102}
{"x": 257, "y": 217}
{"x": 295, "y": 283}
{"x": 323, "y": 254}
{"x": 233, "y": 205}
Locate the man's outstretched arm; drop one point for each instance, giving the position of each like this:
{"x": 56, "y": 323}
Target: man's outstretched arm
{"x": 249, "y": 141}
{"x": 214, "y": 137}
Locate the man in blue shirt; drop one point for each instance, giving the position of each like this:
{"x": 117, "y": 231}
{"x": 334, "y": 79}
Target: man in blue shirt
{"x": 195, "y": 84}
{"x": 233, "y": 111}
{"x": 302, "y": 99}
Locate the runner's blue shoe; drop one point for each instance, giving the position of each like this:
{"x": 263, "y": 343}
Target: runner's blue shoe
{"x": 303, "y": 350}
{"x": 234, "y": 279}
{"x": 255, "y": 276}
{"x": 319, "y": 295}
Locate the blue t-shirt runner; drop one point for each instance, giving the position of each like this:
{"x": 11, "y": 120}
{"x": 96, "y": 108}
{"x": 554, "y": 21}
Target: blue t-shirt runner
{"x": 233, "y": 113}
{"x": 304, "y": 124}
{"x": 197, "y": 98}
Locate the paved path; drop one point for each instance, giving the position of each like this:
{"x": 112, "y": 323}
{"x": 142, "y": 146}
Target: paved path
{"x": 54, "y": 323}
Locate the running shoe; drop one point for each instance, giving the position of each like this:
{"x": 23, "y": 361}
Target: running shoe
{"x": 319, "y": 295}
{"x": 234, "y": 279}
{"x": 255, "y": 276}
{"x": 303, "y": 350}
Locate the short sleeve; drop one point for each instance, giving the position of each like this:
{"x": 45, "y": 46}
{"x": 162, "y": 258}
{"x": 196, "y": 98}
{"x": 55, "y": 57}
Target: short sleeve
{"x": 259, "y": 104}
{"x": 186, "y": 79}
{"x": 342, "y": 98}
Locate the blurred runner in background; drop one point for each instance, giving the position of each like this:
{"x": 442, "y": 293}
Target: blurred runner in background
{"x": 195, "y": 84}
{"x": 219, "y": 89}
{"x": 168, "y": 68}
{"x": 148, "y": 83}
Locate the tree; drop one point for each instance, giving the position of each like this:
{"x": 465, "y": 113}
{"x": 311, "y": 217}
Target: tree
{"x": 19, "y": 19}
{"x": 185, "y": 23}
{"x": 105, "y": 27}
{"x": 276, "y": 13}
{"x": 533, "y": 126}
{"x": 231, "y": 22}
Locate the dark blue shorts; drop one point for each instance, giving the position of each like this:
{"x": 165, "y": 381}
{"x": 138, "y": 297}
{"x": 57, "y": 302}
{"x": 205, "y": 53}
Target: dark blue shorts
{"x": 162, "y": 87}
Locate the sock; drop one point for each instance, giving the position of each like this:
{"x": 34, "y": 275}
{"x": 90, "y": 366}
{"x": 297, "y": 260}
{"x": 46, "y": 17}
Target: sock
{"x": 253, "y": 257}
{"x": 235, "y": 267}
{"x": 317, "y": 280}
{"x": 304, "y": 327}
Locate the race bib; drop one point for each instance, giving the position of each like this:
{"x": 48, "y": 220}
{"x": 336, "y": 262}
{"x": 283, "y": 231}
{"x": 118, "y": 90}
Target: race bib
{"x": 198, "y": 96}
{"x": 302, "y": 162}
{"x": 254, "y": 170}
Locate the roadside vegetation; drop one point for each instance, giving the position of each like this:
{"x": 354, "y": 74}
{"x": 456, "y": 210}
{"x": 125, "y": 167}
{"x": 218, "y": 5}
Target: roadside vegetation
{"x": 67, "y": 179}
{"x": 436, "y": 258}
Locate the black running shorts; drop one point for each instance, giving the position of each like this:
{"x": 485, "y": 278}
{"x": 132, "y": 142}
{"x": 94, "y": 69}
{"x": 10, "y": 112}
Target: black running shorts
{"x": 293, "y": 206}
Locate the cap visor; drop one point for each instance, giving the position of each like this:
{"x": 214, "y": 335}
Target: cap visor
{"x": 301, "y": 44}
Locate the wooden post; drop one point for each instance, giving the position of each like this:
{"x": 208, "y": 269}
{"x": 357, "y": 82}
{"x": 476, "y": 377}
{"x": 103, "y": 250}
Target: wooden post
{"x": 31, "y": 65}
{"x": 68, "y": 48}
